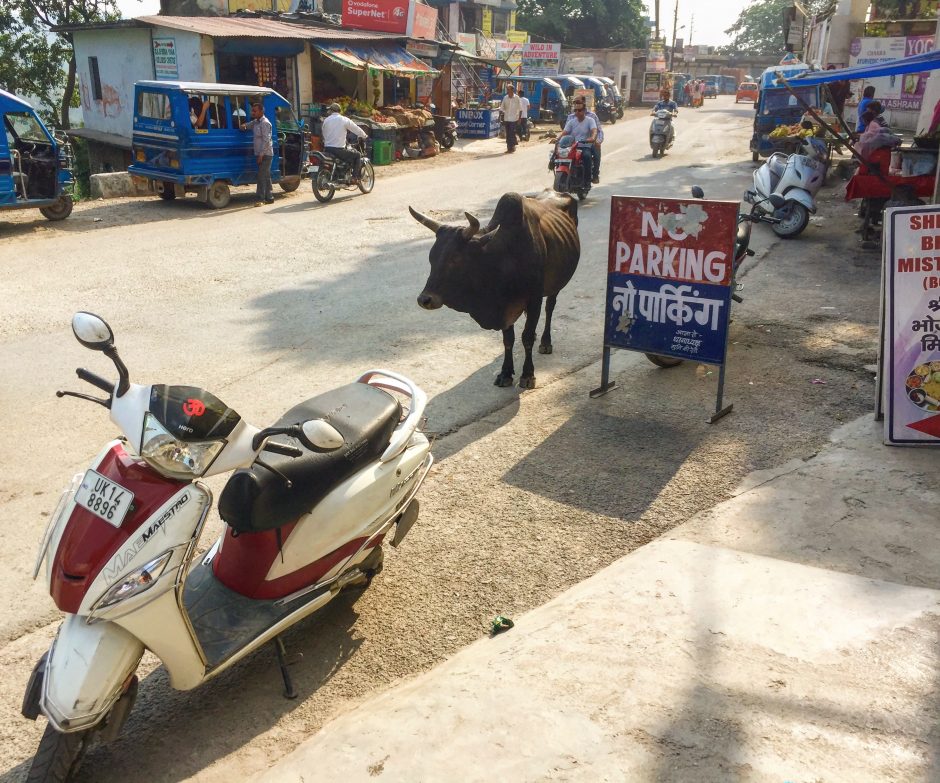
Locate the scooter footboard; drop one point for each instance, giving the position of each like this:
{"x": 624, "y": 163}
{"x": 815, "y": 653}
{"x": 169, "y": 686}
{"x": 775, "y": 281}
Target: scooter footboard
{"x": 86, "y": 671}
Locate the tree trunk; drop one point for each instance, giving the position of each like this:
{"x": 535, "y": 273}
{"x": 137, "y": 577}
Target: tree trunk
{"x": 69, "y": 90}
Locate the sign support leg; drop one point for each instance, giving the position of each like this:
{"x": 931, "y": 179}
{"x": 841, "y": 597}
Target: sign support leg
{"x": 720, "y": 412}
{"x": 606, "y": 383}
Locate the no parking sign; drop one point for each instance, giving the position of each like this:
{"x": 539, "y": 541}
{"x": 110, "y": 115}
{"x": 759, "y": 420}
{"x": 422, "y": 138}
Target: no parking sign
{"x": 670, "y": 277}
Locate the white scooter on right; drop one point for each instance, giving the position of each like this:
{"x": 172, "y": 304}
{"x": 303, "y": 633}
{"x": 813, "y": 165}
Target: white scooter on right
{"x": 795, "y": 178}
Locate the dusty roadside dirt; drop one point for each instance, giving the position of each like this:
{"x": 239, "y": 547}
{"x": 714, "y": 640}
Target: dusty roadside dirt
{"x": 524, "y": 503}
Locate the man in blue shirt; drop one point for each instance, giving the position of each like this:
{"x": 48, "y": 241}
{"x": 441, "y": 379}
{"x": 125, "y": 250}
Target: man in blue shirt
{"x": 867, "y": 97}
{"x": 666, "y": 103}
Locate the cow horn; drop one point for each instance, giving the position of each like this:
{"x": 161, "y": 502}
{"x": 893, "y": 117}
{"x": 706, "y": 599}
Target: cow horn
{"x": 471, "y": 230}
{"x": 424, "y": 220}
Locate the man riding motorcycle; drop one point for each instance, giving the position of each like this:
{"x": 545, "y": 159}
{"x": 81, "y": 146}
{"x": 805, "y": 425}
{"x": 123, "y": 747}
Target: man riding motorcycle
{"x": 666, "y": 103}
{"x": 335, "y": 128}
{"x": 579, "y": 125}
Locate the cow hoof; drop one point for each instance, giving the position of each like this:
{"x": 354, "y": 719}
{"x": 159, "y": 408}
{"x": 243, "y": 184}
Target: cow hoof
{"x": 545, "y": 349}
{"x": 527, "y": 382}
{"x": 503, "y": 380}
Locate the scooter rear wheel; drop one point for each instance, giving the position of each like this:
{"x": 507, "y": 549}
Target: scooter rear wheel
{"x": 58, "y": 756}
{"x": 447, "y": 141}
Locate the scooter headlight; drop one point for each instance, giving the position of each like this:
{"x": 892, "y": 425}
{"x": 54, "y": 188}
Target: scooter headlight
{"x": 135, "y": 583}
{"x": 176, "y": 458}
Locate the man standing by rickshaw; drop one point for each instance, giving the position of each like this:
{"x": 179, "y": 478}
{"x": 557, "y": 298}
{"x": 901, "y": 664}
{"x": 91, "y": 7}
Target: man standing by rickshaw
{"x": 263, "y": 145}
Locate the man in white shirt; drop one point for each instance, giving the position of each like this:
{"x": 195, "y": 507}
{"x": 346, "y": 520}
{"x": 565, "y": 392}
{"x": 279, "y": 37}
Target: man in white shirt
{"x": 525, "y": 107}
{"x": 511, "y": 108}
{"x": 335, "y": 127}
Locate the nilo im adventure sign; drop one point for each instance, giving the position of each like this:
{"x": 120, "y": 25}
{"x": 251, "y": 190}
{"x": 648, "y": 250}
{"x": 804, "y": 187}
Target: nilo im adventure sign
{"x": 670, "y": 277}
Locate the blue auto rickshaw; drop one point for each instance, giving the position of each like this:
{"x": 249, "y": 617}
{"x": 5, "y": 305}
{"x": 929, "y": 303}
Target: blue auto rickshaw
{"x": 591, "y": 83}
{"x": 777, "y": 106}
{"x": 35, "y": 165}
{"x": 188, "y": 139}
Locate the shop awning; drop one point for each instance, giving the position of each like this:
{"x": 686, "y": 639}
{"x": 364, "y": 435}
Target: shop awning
{"x": 392, "y": 59}
{"x": 475, "y": 59}
{"x": 928, "y": 61}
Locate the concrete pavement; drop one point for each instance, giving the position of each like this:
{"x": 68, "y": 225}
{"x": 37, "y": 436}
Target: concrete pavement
{"x": 788, "y": 634}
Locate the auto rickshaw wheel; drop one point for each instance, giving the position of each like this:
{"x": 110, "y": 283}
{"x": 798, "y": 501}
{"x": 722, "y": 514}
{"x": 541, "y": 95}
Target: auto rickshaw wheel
{"x": 218, "y": 195}
{"x": 289, "y": 184}
{"x": 60, "y": 210}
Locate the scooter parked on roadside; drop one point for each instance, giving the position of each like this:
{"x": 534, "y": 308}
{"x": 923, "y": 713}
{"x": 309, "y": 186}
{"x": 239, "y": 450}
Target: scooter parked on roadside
{"x": 339, "y": 474}
{"x": 662, "y": 132}
{"x": 762, "y": 212}
{"x": 796, "y": 178}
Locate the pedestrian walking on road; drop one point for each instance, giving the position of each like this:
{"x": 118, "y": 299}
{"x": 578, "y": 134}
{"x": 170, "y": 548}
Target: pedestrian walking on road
{"x": 511, "y": 109}
{"x": 263, "y": 141}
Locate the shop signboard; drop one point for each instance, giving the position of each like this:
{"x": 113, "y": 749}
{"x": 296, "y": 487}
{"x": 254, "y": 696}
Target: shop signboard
{"x": 902, "y": 92}
{"x": 511, "y": 53}
{"x": 577, "y": 63}
{"x": 541, "y": 59}
{"x": 656, "y": 56}
{"x": 389, "y": 16}
{"x": 165, "y": 65}
{"x": 652, "y": 86}
{"x": 910, "y": 360}
{"x": 670, "y": 276}
{"x": 467, "y": 42}
{"x": 422, "y": 21}
{"x": 486, "y": 25}
{"x": 477, "y": 123}
{"x": 423, "y": 49}
{"x": 518, "y": 36}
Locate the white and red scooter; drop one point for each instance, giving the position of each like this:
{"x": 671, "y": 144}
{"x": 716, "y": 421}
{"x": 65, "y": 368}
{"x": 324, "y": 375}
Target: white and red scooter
{"x": 304, "y": 521}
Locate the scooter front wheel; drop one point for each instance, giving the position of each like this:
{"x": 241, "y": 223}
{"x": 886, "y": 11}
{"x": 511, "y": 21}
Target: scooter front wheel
{"x": 58, "y": 756}
{"x": 794, "y": 217}
{"x": 561, "y": 182}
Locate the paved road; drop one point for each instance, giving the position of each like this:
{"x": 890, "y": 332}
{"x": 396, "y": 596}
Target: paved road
{"x": 268, "y": 306}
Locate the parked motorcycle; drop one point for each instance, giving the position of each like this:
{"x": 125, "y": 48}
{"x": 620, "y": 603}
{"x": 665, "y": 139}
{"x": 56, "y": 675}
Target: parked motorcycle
{"x": 606, "y": 111}
{"x": 328, "y": 174}
{"x": 445, "y": 131}
{"x": 662, "y": 132}
{"x": 761, "y": 212}
{"x": 796, "y": 178}
{"x": 571, "y": 162}
{"x": 339, "y": 475}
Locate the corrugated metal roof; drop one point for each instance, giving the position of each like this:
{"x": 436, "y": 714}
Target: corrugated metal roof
{"x": 238, "y": 27}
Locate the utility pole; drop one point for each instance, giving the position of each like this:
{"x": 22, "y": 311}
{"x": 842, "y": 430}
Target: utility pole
{"x": 691, "y": 26}
{"x": 656, "y": 11}
{"x": 675, "y": 29}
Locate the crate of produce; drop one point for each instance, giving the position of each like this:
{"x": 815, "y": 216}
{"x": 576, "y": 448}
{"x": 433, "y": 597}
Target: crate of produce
{"x": 382, "y": 152}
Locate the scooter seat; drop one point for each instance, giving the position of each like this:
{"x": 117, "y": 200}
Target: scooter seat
{"x": 257, "y": 498}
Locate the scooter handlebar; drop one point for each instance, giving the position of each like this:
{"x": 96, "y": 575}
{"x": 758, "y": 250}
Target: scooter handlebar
{"x": 95, "y": 380}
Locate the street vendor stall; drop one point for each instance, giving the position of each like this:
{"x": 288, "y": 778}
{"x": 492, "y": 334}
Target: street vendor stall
{"x": 889, "y": 173}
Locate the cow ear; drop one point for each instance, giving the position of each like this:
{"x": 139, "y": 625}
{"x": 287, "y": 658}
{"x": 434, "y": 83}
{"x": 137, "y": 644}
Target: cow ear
{"x": 490, "y": 242}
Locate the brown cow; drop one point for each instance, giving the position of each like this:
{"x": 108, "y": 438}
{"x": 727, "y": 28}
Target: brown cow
{"x": 529, "y": 250}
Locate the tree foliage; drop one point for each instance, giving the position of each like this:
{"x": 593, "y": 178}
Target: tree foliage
{"x": 758, "y": 30}
{"x": 589, "y": 24}
{"x": 31, "y": 62}
{"x": 43, "y": 15}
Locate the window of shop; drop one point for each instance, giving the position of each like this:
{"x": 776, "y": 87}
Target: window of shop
{"x": 276, "y": 73}
{"x": 500, "y": 22}
{"x": 471, "y": 18}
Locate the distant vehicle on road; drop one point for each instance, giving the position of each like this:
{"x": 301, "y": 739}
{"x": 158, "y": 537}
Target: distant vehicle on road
{"x": 747, "y": 91}
{"x": 711, "y": 86}
{"x": 187, "y": 139}
{"x": 35, "y": 165}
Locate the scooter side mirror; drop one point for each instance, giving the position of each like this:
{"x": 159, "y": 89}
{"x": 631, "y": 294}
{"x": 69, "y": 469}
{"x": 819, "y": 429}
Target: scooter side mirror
{"x": 320, "y": 435}
{"x": 697, "y": 192}
{"x": 92, "y": 331}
